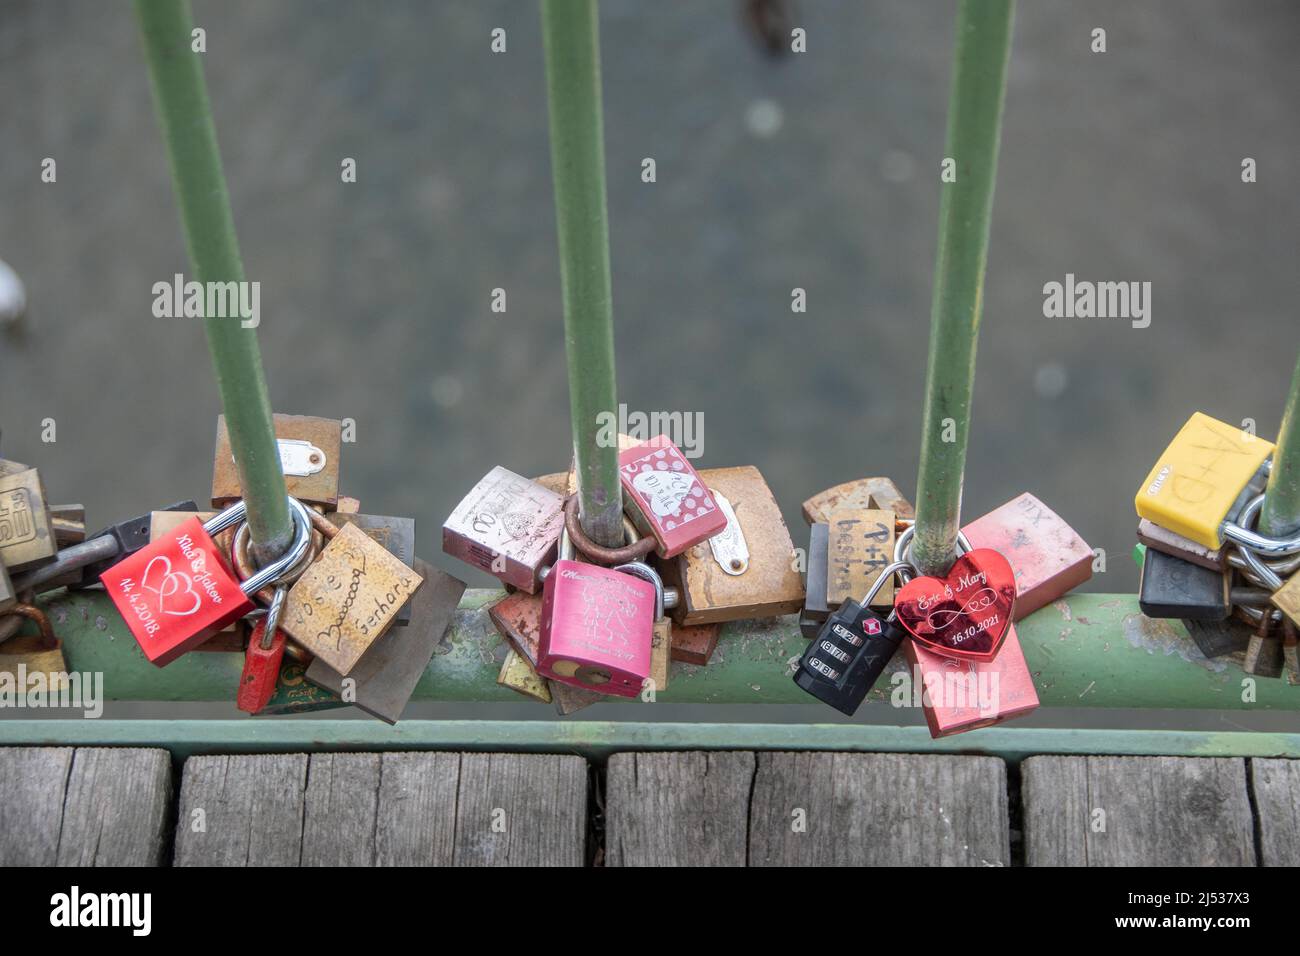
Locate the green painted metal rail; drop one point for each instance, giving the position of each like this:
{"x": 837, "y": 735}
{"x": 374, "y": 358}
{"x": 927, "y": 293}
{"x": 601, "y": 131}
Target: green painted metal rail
{"x": 572, "y": 40}
{"x": 1092, "y": 650}
{"x": 185, "y": 115}
{"x": 979, "y": 81}
{"x": 1281, "y": 514}
{"x": 598, "y": 739}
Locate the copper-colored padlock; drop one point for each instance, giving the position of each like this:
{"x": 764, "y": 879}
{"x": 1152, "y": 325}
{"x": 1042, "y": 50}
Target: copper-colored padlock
{"x": 879, "y": 493}
{"x": 747, "y": 570}
{"x": 309, "y": 457}
{"x": 24, "y": 657}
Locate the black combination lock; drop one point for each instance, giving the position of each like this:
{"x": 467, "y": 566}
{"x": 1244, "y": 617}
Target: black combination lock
{"x": 848, "y": 655}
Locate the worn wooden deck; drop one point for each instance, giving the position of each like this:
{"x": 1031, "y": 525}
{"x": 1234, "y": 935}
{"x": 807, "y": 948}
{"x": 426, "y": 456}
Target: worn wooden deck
{"x": 105, "y": 806}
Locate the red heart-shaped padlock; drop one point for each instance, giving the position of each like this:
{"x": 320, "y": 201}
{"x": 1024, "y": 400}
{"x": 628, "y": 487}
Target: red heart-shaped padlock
{"x": 965, "y": 614}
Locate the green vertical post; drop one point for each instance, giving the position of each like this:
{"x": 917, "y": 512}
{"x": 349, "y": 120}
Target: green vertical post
{"x": 185, "y": 115}
{"x": 979, "y": 82}
{"x": 1281, "y": 514}
{"x": 571, "y": 36}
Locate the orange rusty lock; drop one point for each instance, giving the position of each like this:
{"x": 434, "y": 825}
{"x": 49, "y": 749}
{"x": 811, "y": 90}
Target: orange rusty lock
{"x": 25, "y": 655}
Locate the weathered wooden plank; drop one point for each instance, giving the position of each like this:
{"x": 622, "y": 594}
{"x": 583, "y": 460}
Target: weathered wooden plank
{"x": 677, "y": 809}
{"x": 383, "y": 809}
{"x": 33, "y": 782}
{"x": 521, "y": 810}
{"x": 86, "y": 807}
{"x": 850, "y": 809}
{"x": 117, "y": 808}
{"x": 1276, "y": 786}
{"x": 241, "y": 811}
{"x": 341, "y": 808}
{"x": 395, "y": 809}
{"x": 417, "y": 809}
{"x": 1132, "y": 811}
{"x": 1055, "y": 807}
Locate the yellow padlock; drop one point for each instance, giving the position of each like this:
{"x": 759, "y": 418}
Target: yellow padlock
{"x": 1195, "y": 483}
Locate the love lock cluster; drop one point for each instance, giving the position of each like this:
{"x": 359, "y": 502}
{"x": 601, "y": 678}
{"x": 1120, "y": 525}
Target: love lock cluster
{"x": 346, "y": 615}
{"x": 1203, "y": 561}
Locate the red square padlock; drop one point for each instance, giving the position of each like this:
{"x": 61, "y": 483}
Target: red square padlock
{"x": 597, "y": 628}
{"x": 666, "y": 497}
{"x": 1046, "y": 554}
{"x": 962, "y": 695}
{"x": 176, "y": 592}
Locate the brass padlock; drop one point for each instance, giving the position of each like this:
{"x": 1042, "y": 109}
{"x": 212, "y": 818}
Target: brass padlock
{"x": 383, "y": 681}
{"x": 34, "y": 662}
{"x": 26, "y": 532}
{"x": 518, "y": 674}
{"x": 347, "y": 598}
{"x": 8, "y": 596}
{"x": 396, "y": 535}
{"x": 880, "y": 493}
{"x": 745, "y": 571}
{"x": 309, "y": 456}
{"x": 1264, "y": 652}
{"x": 69, "y": 523}
{"x": 859, "y": 547}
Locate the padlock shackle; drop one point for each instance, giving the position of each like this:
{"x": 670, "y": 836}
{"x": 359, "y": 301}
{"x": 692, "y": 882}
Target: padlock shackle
{"x": 887, "y": 574}
{"x": 34, "y": 614}
{"x": 642, "y": 570}
{"x": 902, "y": 546}
{"x": 281, "y": 565}
{"x": 1241, "y": 533}
{"x": 633, "y": 551}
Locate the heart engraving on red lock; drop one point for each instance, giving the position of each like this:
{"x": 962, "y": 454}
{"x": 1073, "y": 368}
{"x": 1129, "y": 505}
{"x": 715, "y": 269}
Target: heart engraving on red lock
{"x": 171, "y": 599}
{"x": 965, "y": 614}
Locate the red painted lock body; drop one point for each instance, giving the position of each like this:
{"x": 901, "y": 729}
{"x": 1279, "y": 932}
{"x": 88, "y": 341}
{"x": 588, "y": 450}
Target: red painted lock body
{"x": 261, "y": 670}
{"x": 597, "y": 626}
{"x": 958, "y": 695}
{"x": 176, "y": 592}
{"x": 1046, "y": 554}
{"x": 666, "y": 497}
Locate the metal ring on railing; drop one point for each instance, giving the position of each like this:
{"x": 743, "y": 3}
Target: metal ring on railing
{"x": 903, "y": 545}
{"x": 1240, "y": 533}
{"x": 598, "y": 554}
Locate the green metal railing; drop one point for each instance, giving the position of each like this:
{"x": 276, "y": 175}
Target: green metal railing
{"x": 979, "y": 82}
{"x": 1087, "y": 651}
{"x": 1281, "y": 514}
{"x": 185, "y": 115}
{"x": 571, "y": 35}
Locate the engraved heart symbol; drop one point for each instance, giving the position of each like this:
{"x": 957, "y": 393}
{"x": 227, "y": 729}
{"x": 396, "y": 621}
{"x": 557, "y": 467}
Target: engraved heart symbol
{"x": 665, "y": 490}
{"x": 965, "y": 614}
{"x": 168, "y": 587}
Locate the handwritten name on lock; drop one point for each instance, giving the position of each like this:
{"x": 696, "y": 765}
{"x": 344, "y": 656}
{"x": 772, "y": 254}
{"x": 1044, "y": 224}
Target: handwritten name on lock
{"x": 347, "y": 598}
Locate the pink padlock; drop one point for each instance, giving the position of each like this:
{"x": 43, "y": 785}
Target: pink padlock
{"x": 597, "y": 627}
{"x": 666, "y": 498}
